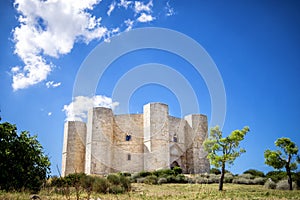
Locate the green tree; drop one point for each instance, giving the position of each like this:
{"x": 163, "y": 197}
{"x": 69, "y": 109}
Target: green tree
{"x": 222, "y": 150}
{"x": 23, "y": 164}
{"x": 287, "y": 157}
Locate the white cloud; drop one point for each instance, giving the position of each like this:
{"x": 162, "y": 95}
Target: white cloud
{"x": 169, "y": 10}
{"x": 77, "y": 110}
{"x": 111, "y": 8}
{"x": 145, "y": 18}
{"x": 52, "y": 84}
{"x": 141, "y": 7}
{"x": 49, "y": 113}
{"x": 129, "y": 24}
{"x": 50, "y": 28}
{"x": 124, "y": 3}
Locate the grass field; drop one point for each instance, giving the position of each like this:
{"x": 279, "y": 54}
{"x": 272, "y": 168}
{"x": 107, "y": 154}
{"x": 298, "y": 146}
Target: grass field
{"x": 175, "y": 191}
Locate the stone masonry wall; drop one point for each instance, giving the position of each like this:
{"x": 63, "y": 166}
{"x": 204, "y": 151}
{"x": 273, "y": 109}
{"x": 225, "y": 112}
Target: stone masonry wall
{"x": 73, "y": 155}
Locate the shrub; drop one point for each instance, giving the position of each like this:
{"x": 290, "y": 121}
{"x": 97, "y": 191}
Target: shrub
{"x": 246, "y": 176}
{"x": 116, "y": 189}
{"x": 259, "y": 181}
{"x": 114, "y": 179}
{"x": 125, "y": 182}
{"x": 241, "y": 180}
{"x": 124, "y": 174}
{"x": 284, "y": 185}
{"x": 180, "y": 178}
{"x": 276, "y": 175}
{"x": 101, "y": 185}
{"x": 213, "y": 178}
{"x": 228, "y": 178}
{"x": 214, "y": 171}
{"x": 177, "y": 170}
{"x": 254, "y": 172}
{"x": 151, "y": 180}
{"x": 163, "y": 172}
{"x": 269, "y": 184}
{"x": 162, "y": 180}
{"x": 140, "y": 180}
{"x": 144, "y": 173}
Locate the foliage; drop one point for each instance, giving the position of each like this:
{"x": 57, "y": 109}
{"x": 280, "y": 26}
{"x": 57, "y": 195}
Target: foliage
{"x": 222, "y": 150}
{"x": 152, "y": 179}
{"x": 214, "y": 171}
{"x": 177, "y": 170}
{"x": 287, "y": 157}
{"x": 23, "y": 164}
{"x": 276, "y": 175}
{"x": 254, "y": 172}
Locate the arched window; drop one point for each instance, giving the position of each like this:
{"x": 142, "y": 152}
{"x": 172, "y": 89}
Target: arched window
{"x": 175, "y": 138}
{"x": 128, "y": 137}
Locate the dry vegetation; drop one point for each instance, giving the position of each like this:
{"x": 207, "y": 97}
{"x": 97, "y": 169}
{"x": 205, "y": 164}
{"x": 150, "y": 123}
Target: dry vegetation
{"x": 175, "y": 191}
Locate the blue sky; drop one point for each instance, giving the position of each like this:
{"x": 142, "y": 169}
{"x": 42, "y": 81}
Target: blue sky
{"x": 255, "y": 46}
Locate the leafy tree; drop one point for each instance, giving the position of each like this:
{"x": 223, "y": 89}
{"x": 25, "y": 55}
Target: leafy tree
{"x": 287, "y": 158}
{"x": 254, "y": 172}
{"x": 23, "y": 164}
{"x": 222, "y": 150}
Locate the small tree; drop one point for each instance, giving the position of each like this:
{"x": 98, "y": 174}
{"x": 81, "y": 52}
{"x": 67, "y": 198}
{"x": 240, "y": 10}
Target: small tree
{"x": 222, "y": 150}
{"x": 288, "y": 158}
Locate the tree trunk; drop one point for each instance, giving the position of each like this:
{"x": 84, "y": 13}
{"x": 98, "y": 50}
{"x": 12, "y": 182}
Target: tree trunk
{"x": 222, "y": 177}
{"x": 289, "y": 174}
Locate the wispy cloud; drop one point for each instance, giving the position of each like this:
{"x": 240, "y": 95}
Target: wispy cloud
{"x": 52, "y": 84}
{"x": 124, "y": 3}
{"x": 111, "y": 8}
{"x": 78, "y": 108}
{"x": 141, "y": 7}
{"x": 169, "y": 10}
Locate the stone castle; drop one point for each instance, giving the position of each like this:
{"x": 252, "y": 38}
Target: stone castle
{"x": 110, "y": 143}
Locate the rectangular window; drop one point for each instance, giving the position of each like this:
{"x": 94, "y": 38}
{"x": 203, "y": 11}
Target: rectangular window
{"x": 128, "y": 157}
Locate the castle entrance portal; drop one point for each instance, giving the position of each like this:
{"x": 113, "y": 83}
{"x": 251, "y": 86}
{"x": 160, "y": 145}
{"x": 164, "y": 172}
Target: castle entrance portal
{"x": 174, "y": 164}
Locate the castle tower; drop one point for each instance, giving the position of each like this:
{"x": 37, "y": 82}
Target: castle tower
{"x": 156, "y": 136}
{"x": 99, "y": 141}
{"x": 197, "y": 156}
{"x": 73, "y": 155}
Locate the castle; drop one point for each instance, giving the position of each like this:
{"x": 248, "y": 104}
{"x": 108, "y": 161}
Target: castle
{"x": 110, "y": 143}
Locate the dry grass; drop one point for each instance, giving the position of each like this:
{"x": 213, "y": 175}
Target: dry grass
{"x": 175, "y": 191}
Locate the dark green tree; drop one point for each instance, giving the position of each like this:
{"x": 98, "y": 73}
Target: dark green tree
{"x": 287, "y": 157}
{"x": 23, "y": 164}
{"x": 222, "y": 150}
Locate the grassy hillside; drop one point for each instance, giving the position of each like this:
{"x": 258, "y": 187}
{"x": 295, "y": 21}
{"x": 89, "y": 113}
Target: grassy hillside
{"x": 175, "y": 191}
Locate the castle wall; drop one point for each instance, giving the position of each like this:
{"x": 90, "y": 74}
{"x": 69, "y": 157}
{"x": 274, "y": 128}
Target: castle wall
{"x": 177, "y": 141}
{"x": 128, "y": 155}
{"x": 156, "y": 141}
{"x": 156, "y": 136}
{"x": 198, "y": 163}
{"x": 73, "y": 155}
{"x": 99, "y": 141}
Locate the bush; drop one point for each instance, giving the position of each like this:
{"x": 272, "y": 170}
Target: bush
{"x": 246, "y": 176}
{"x": 241, "y": 180}
{"x": 276, "y": 175}
{"x": 144, "y": 173}
{"x": 140, "y": 180}
{"x": 127, "y": 174}
{"x": 228, "y": 178}
{"x": 162, "y": 180}
{"x": 163, "y": 172}
{"x": 114, "y": 179}
{"x": 116, "y": 189}
{"x": 284, "y": 185}
{"x": 254, "y": 172}
{"x": 101, "y": 185}
{"x": 259, "y": 181}
{"x": 177, "y": 170}
{"x": 125, "y": 182}
{"x": 151, "y": 180}
{"x": 214, "y": 171}
{"x": 269, "y": 184}
{"x": 180, "y": 178}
